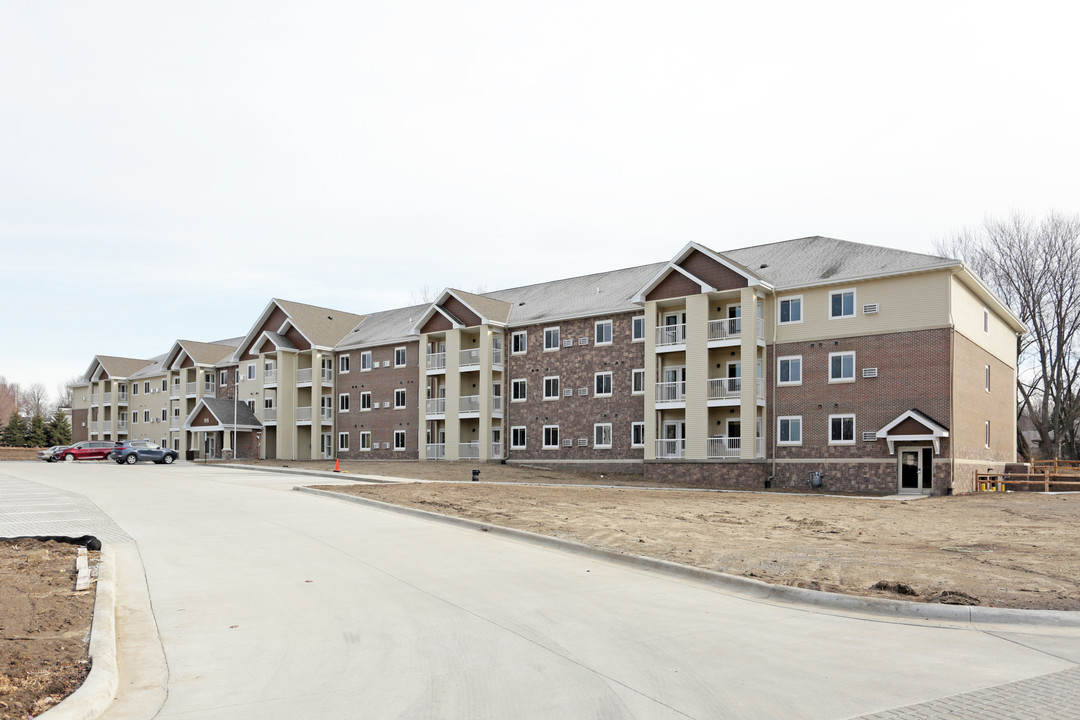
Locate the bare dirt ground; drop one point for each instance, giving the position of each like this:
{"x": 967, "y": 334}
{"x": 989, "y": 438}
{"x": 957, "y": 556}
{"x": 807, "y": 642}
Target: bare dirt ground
{"x": 1014, "y": 550}
{"x": 44, "y": 626}
{"x": 10, "y": 453}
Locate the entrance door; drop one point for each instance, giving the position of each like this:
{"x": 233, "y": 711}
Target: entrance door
{"x": 915, "y": 469}
{"x": 209, "y": 446}
{"x": 674, "y": 328}
{"x": 673, "y": 387}
{"x": 673, "y": 434}
{"x": 734, "y": 437}
{"x": 734, "y": 313}
{"x": 327, "y": 449}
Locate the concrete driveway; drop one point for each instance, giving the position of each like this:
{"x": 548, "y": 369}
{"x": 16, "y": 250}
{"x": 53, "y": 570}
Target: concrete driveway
{"x": 275, "y": 604}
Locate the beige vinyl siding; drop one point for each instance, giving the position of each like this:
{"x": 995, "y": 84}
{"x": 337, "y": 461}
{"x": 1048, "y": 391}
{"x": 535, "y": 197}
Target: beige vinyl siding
{"x": 906, "y": 302}
{"x": 967, "y": 311}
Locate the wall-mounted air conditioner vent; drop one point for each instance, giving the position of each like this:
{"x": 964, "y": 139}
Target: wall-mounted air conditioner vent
{"x": 583, "y": 442}
{"x": 568, "y": 443}
{"x": 569, "y": 342}
{"x": 870, "y": 436}
{"x": 870, "y": 309}
{"x": 869, "y": 372}
{"x": 386, "y": 404}
{"x": 386, "y": 446}
{"x": 583, "y": 391}
{"x": 583, "y": 341}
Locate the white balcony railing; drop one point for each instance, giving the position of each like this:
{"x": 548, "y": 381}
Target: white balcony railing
{"x": 671, "y": 392}
{"x": 208, "y": 388}
{"x": 496, "y": 356}
{"x": 303, "y": 414}
{"x": 269, "y": 377}
{"x": 122, "y": 398}
{"x": 174, "y": 391}
{"x": 108, "y": 398}
{"x": 496, "y": 403}
{"x": 760, "y": 389}
{"x": 760, "y": 329}
{"x": 436, "y": 451}
{"x": 327, "y": 414}
{"x": 95, "y": 398}
{"x": 121, "y": 425}
{"x": 726, "y": 329}
{"x": 191, "y": 388}
{"x": 270, "y": 414}
{"x": 496, "y": 450}
{"x": 327, "y": 375}
{"x": 174, "y": 423}
{"x": 436, "y": 406}
{"x": 724, "y": 447}
{"x": 469, "y": 404}
{"x": 671, "y": 334}
{"x": 670, "y": 448}
{"x": 469, "y": 450}
{"x": 436, "y": 361}
{"x": 725, "y": 388}
{"x": 95, "y": 426}
{"x": 759, "y": 447}
{"x": 468, "y": 358}
{"x": 303, "y": 375}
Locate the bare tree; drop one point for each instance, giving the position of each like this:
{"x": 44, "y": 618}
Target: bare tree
{"x": 426, "y": 294}
{"x": 1034, "y": 267}
{"x": 9, "y": 399}
{"x": 64, "y": 392}
{"x": 34, "y": 400}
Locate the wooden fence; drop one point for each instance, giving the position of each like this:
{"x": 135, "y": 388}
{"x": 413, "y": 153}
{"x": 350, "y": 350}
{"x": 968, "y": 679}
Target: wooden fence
{"x": 1059, "y": 474}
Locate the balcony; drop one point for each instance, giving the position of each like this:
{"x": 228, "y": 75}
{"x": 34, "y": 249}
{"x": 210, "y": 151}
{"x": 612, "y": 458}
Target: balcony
{"x": 496, "y": 403}
{"x": 191, "y": 389}
{"x": 107, "y": 399}
{"x": 303, "y": 414}
{"x": 436, "y": 406}
{"x": 436, "y": 451}
{"x": 667, "y": 335}
{"x": 122, "y": 398}
{"x": 303, "y": 376}
{"x": 95, "y": 399}
{"x": 496, "y": 356}
{"x": 95, "y": 426}
{"x": 326, "y": 414}
{"x": 270, "y": 377}
{"x": 269, "y": 415}
{"x": 174, "y": 424}
{"x": 724, "y": 388}
{"x": 723, "y": 447}
{"x": 469, "y": 358}
{"x": 469, "y": 450}
{"x": 121, "y": 425}
{"x": 667, "y": 392}
{"x": 208, "y": 389}
{"x": 469, "y": 404}
{"x": 670, "y": 449}
{"x": 327, "y": 376}
{"x": 175, "y": 390}
{"x": 729, "y": 329}
{"x": 436, "y": 362}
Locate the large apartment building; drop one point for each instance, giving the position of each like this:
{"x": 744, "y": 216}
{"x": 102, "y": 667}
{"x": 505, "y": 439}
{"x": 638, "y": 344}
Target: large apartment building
{"x": 879, "y": 369}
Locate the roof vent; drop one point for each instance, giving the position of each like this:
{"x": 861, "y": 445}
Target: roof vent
{"x": 763, "y": 266}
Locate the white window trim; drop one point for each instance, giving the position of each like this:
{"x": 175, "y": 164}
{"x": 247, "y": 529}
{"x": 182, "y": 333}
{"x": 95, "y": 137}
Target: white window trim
{"x": 343, "y": 398}
{"x": 366, "y": 355}
{"x": 832, "y": 380}
{"x": 365, "y": 434}
{"x": 611, "y": 327}
{"x": 802, "y": 306}
{"x": 525, "y": 384}
{"x": 986, "y": 434}
{"x": 404, "y": 355}
{"x": 558, "y": 344}
{"x": 611, "y": 382}
{"x": 366, "y": 393}
{"x": 404, "y": 441}
{"x": 250, "y": 372}
{"x": 525, "y": 434}
{"x": 344, "y": 364}
{"x": 633, "y": 324}
{"x": 986, "y": 377}
{"x": 343, "y": 442}
{"x": 789, "y": 418}
{"x": 986, "y": 321}
{"x": 223, "y": 381}
{"x": 635, "y": 444}
{"x": 522, "y": 334}
{"x": 854, "y": 304}
{"x": 558, "y": 394}
{"x": 789, "y": 358}
{"x": 854, "y": 431}
{"x": 611, "y": 437}
{"x": 404, "y": 398}
{"x": 544, "y": 437}
{"x": 633, "y": 374}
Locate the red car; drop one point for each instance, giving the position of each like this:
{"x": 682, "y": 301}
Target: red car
{"x": 86, "y": 450}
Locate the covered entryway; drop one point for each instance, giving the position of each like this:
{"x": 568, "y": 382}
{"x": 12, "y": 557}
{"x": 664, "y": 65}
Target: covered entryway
{"x": 915, "y": 469}
{"x": 915, "y": 438}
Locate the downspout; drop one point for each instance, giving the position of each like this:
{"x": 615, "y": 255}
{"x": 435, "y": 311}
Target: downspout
{"x": 768, "y": 369}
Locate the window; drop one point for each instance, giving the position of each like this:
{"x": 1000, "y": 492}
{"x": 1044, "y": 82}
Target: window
{"x": 637, "y": 434}
{"x": 399, "y": 357}
{"x": 164, "y": 386}
{"x": 519, "y": 342}
{"x": 268, "y": 368}
{"x": 551, "y": 437}
{"x": 365, "y": 441}
{"x": 223, "y": 379}
{"x": 399, "y": 398}
{"x": 365, "y": 401}
{"x": 146, "y": 416}
{"x": 518, "y": 390}
{"x": 164, "y": 414}
{"x": 841, "y": 429}
{"x": 986, "y": 377}
{"x": 551, "y": 339}
{"x": 251, "y": 405}
{"x": 842, "y": 367}
{"x": 343, "y": 363}
{"x": 135, "y": 388}
{"x": 987, "y": 433}
{"x": 517, "y": 438}
{"x": 637, "y": 334}
{"x": 343, "y": 442}
{"x": 343, "y": 402}
{"x": 365, "y": 361}
{"x": 134, "y": 417}
{"x": 637, "y": 381}
{"x": 146, "y": 387}
{"x": 986, "y": 324}
{"x": 789, "y": 370}
{"x": 268, "y": 402}
{"x": 602, "y": 436}
{"x": 551, "y": 388}
{"x": 236, "y": 376}
{"x": 399, "y": 439}
{"x": 176, "y": 412}
{"x": 602, "y": 384}
{"x": 251, "y": 371}
{"x": 841, "y": 304}
{"x": 791, "y": 310}
{"x": 603, "y": 332}
{"x": 789, "y": 430}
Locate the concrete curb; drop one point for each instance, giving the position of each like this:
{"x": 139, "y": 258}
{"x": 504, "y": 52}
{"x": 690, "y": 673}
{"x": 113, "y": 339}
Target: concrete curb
{"x": 96, "y": 693}
{"x": 880, "y": 607}
{"x": 317, "y": 473}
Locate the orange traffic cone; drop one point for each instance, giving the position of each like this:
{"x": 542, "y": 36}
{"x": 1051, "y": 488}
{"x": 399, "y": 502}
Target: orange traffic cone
{"x": 337, "y": 465}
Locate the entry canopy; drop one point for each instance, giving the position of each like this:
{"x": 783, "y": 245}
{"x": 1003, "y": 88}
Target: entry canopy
{"x": 913, "y": 426}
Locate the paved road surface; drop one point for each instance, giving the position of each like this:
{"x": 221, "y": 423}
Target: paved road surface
{"x": 276, "y": 604}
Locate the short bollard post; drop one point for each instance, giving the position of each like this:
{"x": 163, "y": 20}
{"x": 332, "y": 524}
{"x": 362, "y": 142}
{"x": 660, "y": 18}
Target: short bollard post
{"x": 475, "y": 475}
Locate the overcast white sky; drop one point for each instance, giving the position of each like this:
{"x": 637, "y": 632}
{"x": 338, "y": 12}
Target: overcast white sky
{"x": 166, "y": 169}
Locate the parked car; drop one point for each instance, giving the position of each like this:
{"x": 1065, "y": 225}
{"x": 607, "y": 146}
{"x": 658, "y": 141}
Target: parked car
{"x": 48, "y": 453}
{"x": 130, "y": 452}
{"x": 85, "y": 450}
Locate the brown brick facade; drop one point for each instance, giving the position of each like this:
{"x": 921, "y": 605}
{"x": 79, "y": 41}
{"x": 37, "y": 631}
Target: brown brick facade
{"x": 575, "y": 415}
{"x": 381, "y": 382}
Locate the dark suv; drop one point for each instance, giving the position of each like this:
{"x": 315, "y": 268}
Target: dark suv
{"x": 130, "y": 452}
{"x": 85, "y": 450}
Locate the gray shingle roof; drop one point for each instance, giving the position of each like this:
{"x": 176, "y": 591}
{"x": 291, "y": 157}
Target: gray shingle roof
{"x": 206, "y": 353}
{"x": 121, "y": 366}
{"x": 154, "y": 368}
{"x": 814, "y": 260}
{"x": 492, "y": 309}
{"x": 222, "y": 408}
{"x": 322, "y": 326}
{"x": 383, "y": 328}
